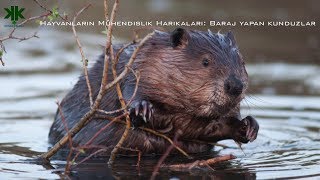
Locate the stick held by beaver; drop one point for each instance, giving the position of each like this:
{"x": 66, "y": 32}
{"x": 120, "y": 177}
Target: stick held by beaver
{"x": 191, "y": 82}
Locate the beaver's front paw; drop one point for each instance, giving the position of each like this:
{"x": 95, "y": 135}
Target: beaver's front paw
{"x": 141, "y": 113}
{"x": 248, "y": 130}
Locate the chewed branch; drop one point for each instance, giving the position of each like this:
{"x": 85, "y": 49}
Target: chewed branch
{"x": 202, "y": 163}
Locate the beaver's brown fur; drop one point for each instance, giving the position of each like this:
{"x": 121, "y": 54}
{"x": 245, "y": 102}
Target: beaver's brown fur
{"x": 191, "y": 82}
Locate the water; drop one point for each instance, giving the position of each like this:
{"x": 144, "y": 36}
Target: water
{"x": 284, "y": 96}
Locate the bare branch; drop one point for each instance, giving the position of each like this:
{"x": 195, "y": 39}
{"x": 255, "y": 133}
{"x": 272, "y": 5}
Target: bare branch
{"x": 163, "y": 157}
{"x": 120, "y": 97}
{"x": 168, "y": 139}
{"x": 84, "y": 59}
{"x": 34, "y": 18}
{"x": 11, "y": 33}
{"x": 137, "y": 76}
{"x": 131, "y": 60}
{"x": 48, "y": 10}
{"x": 203, "y": 163}
{"x": 156, "y": 133}
{"x": 68, "y": 165}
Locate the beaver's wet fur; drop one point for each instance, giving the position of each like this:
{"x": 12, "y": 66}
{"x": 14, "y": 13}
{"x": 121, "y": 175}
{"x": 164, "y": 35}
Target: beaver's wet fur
{"x": 191, "y": 82}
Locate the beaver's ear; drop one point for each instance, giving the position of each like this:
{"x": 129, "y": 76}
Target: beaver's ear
{"x": 179, "y": 37}
{"x": 230, "y": 36}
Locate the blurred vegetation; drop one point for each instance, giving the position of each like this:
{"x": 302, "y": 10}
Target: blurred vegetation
{"x": 257, "y": 44}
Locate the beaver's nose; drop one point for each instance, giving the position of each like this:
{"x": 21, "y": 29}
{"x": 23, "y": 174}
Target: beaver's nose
{"x": 233, "y": 86}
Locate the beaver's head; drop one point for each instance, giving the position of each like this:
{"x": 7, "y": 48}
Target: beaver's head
{"x": 201, "y": 73}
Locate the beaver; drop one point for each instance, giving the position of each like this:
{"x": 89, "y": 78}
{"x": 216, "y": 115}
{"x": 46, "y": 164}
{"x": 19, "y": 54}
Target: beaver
{"x": 191, "y": 82}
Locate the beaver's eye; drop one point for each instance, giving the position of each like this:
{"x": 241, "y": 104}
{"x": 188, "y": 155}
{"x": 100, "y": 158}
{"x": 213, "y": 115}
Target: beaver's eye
{"x": 205, "y": 62}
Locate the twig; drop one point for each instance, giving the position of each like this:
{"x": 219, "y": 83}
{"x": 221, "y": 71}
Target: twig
{"x": 81, "y": 149}
{"x": 136, "y": 31}
{"x": 68, "y": 165}
{"x": 168, "y": 139}
{"x": 123, "y": 105}
{"x": 106, "y": 15}
{"x": 131, "y": 60}
{"x": 154, "y": 133}
{"x": 110, "y": 112}
{"x": 137, "y": 76}
{"x": 34, "y": 18}
{"x": 34, "y": 35}
{"x": 2, "y": 50}
{"x": 202, "y": 163}
{"x": 105, "y": 149}
{"x": 84, "y": 59}
{"x": 163, "y": 157}
{"x": 139, "y": 160}
{"x": 121, "y": 50}
{"x": 72, "y": 132}
{"x": 99, "y": 132}
{"x": 104, "y": 79}
{"x": 91, "y": 155}
{"x": 94, "y": 137}
{"x": 109, "y": 48}
{"x": 48, "y": 10}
